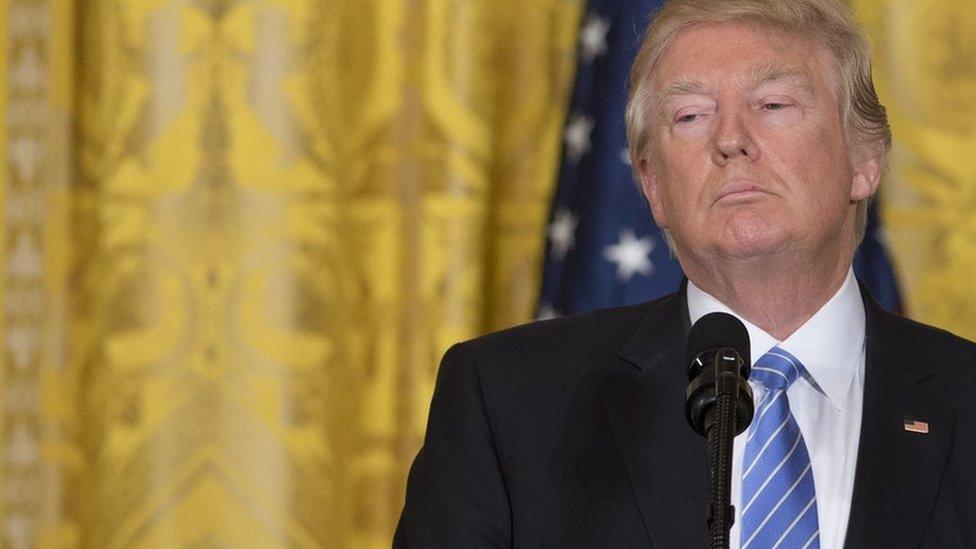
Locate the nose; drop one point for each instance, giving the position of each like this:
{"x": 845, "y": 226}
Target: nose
{"x": 732, "y": 139}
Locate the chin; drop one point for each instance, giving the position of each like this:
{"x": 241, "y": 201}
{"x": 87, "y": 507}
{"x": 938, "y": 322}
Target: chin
{"x": 754, "y": 238}
{"x": 752, "y": 249}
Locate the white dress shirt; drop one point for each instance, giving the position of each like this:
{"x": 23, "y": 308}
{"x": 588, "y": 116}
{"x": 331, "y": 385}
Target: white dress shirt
{"x": 826, "y": 403}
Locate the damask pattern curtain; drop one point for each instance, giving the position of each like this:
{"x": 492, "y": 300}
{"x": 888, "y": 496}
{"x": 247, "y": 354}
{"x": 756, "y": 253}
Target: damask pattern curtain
{"x": 925, "y": 69}
{"x": 238, "y": 234}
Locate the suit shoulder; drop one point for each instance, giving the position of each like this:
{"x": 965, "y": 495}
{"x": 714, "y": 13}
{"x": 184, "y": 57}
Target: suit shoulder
{"x": 931, "y": 344}
{"x": 917, "y": 332}
{"x": 600, "y": 325}
{"x": 575, "y": 342}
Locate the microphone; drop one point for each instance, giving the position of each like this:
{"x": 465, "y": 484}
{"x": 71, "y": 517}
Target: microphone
{"x": 719, "y": 404}
{"x": 724, "y": 337}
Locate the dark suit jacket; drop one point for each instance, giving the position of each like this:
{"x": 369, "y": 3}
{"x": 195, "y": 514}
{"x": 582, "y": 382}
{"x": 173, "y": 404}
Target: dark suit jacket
{"x": 571, "y": 433}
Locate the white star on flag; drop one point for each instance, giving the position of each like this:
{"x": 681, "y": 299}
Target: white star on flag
{"x": 578, "y": 137}
{"x": 593, "y": 37}
{"x": 881, "y": 234}
{"x": 562, "y": 233}
{"x": 625, "y": 156}
{"x": 546, "y": 312}
{"x": 632, "y": 255}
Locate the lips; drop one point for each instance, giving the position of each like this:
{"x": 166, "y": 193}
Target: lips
{"x": 738, "y": 189}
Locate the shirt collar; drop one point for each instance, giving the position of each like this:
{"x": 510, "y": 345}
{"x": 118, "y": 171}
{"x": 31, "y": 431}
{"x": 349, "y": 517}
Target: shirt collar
{"x": 830, "y": 344}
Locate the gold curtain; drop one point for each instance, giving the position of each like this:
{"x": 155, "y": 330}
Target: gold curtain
{"x": 925, "y": 69}
{"x": 238, "y": 235}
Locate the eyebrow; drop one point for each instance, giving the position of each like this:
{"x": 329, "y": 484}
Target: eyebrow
{"x": 681, "y": 87}
{"x": 766, "y": 72}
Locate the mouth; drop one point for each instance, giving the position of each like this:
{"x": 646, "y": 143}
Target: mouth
{"x": 739, "y": 191}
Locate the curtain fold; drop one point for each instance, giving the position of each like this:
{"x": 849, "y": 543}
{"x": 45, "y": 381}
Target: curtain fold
{"x": 925, "y": 71}
{"x": 248, "y": 230}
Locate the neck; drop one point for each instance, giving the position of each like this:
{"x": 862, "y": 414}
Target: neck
{"x": 779, "y": 298}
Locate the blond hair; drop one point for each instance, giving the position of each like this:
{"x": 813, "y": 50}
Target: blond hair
{"x": 826, "y": 21}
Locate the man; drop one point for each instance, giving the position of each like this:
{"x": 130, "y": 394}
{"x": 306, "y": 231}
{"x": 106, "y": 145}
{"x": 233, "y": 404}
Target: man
{"x": 758, "y": 139}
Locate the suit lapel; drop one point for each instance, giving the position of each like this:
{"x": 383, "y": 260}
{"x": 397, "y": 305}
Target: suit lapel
{"x": 898, "y": 472}
{"x": 666, "y": 462}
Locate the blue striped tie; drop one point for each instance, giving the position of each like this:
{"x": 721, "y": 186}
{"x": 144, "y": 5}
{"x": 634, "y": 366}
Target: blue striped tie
{"x": 779, "y": 503}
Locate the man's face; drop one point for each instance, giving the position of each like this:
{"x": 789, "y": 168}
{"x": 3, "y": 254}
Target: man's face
{"x": 748, "y": 153}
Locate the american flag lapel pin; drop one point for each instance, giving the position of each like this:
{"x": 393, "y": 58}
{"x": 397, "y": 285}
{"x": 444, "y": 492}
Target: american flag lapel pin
{"x": 916, "y": 426}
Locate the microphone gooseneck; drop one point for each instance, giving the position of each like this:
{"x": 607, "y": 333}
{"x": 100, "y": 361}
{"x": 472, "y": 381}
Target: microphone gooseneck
{"x": 719, "y": 405}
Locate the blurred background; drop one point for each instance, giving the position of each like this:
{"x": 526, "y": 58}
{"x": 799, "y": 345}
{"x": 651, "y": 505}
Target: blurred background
{"x": 238, "y": 235}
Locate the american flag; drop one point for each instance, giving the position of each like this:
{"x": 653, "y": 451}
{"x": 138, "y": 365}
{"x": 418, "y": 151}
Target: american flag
{"x": 916, "y": 426}
{"x": 603, "y": 248}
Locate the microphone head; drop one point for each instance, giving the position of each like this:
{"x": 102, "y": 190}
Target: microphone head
{"x": 717, "y": 330}
{"x": 709, "y": 370}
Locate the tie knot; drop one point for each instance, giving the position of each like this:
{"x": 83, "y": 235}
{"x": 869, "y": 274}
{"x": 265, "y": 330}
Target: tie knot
{"x": 777, "y": 369}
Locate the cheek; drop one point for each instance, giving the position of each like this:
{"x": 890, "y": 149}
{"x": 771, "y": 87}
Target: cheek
{"x": 823, "y": 160}
{"x": 825, "y": 179}
{"x": 681, "y": 177}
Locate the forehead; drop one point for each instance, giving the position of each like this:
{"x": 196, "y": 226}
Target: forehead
{"x": 743, "y": 52}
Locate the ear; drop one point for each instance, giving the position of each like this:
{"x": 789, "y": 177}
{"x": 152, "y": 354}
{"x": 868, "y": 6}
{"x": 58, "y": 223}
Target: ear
{"x": 868, "y": 170}
{"x": 650, "y": 184}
